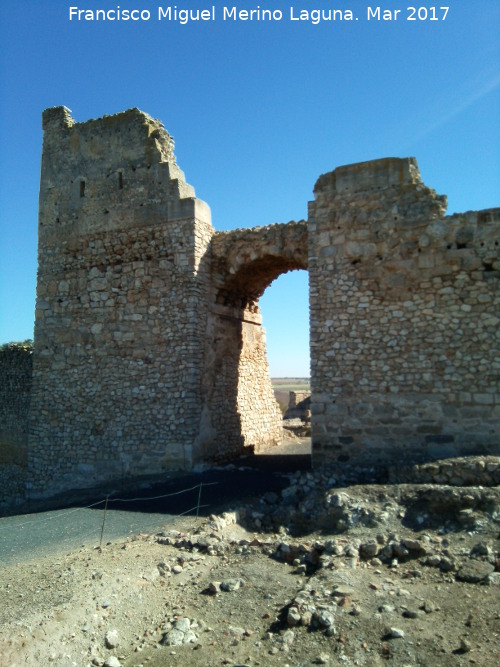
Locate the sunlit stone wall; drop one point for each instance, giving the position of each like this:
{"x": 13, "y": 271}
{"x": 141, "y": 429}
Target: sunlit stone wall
{"x": 121, "y": 304}
{"x": 405, "y": 314}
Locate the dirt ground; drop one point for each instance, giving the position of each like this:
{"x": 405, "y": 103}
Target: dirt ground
{"x": 368, "y": 575}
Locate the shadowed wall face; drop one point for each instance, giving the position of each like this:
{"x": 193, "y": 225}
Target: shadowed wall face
{"x": 405, "y": 303}
{"x": 16, "y": 367}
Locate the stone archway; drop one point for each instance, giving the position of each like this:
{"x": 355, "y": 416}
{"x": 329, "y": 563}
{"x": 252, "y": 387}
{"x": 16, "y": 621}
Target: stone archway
{"x": 246, "y": 261}
{"x": 239, "y": 409}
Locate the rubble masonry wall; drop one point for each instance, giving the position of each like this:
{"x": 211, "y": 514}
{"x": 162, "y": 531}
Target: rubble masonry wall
{"x": 121, "y": 304}
{"x": 149, "y": 353}
{"x": 16, "y": 365}
{"x": 123, "y": 380}
{"x": 405, "y": 314}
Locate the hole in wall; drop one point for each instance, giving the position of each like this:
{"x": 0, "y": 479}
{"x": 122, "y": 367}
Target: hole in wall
{"x": 285, "y": 316}
{"x": 284, "y": 308}
{"x": 82, "y": 188}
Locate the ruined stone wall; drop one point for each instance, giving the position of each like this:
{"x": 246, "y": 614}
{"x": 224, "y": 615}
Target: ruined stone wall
{"x": 15, "y": 391}
{"x": 121, "y": 304}
{"x": 299, "y": 405}
{"x": 149, "y": 347}
{"x": 405, "y": 303}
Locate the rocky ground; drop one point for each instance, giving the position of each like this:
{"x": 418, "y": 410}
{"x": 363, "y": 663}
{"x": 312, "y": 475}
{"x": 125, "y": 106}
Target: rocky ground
{"x": 329, "y": 572}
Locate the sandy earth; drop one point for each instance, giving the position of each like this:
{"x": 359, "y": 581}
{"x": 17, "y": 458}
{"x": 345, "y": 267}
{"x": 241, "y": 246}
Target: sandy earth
{"x": 362, "y": 581}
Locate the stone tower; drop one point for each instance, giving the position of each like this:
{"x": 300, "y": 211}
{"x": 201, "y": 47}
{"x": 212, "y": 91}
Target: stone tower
{"x": 121, "y": 303}
{"x": 137, "y": 367}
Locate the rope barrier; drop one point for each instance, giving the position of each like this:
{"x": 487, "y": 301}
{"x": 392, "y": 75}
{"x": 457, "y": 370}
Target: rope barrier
{"x": 55, "y": 516}
{"x": 108, "y": 500}
{"x": 79, "y": 530}
{"x": 167, "y": 495}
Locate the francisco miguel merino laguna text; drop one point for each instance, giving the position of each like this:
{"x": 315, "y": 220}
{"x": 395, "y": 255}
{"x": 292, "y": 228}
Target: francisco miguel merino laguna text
{"x": 184, "y": 16}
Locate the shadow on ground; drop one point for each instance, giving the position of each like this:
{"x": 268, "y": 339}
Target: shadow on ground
{"x": 203, "y": 493}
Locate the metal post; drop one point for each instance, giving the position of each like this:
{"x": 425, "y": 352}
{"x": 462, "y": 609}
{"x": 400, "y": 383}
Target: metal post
{"x": 199, "y": 501}
{"x": 103, "y": 520}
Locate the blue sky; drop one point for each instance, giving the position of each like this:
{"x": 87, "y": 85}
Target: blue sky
{"x": 258, "y": 111}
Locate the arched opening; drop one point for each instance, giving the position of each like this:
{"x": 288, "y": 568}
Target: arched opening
{"x": 240, "y": 412}
{"x": 284, "y": 309}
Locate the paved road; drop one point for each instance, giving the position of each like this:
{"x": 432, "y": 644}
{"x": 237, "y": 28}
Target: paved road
{"x": 149, "y": 508}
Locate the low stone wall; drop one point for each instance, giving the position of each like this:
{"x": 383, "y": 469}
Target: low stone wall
{"x": 16, "y": 363}
{"x": 463, "y": 471}
{"x": 299, "y": 405}
{"x": 12, "y": 481}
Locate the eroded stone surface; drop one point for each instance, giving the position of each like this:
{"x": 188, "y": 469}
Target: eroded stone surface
{"x": 404, "y": 319}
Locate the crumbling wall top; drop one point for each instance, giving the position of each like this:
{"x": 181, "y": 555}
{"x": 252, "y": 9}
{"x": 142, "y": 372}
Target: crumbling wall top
{"x": 131, "y": 132}
{"x": 93, "y": 172}
{"x": 389, "y": 184}
{"x": 57, "y": 118}
{"x": 371, "y": 175}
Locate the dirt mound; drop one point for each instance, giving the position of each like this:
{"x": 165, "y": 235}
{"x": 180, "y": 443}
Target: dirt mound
{"x": 319, "y": 573}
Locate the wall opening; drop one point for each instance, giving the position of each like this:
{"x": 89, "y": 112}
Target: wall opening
{"x": 252, "y": 267}
{"x": 285, "y": 316}
{"x": 284, "y": 308}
